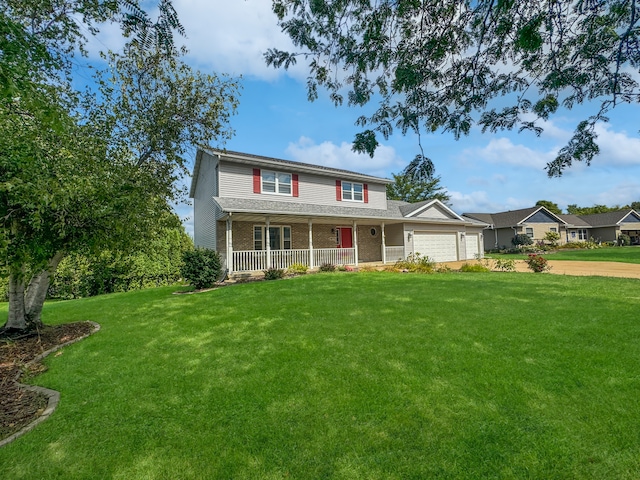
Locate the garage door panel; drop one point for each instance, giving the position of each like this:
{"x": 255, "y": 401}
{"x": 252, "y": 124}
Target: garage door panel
{"x": 440, "y": 247}
{"x": 471, "y": 246}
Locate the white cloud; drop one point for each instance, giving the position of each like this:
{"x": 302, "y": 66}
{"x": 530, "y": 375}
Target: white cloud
{"x": 477, "y": 202}
{"x": 504, "y": 152}
{"x": 616, "y": 148}
{"x": 232, "y": 36}
{"x": 342, "y": 156}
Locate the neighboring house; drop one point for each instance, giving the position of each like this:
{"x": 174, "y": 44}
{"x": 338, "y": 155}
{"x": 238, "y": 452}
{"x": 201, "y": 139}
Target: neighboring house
{"x": 537, "y": 221}
{"x": 260, "y": 212}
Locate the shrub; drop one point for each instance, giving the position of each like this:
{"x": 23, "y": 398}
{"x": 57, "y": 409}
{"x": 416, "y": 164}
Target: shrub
{"x": 201, "y": 267}
{"x": 444, "y": 269}
{"x": 552, "y": 238}
{"x": 537, "y": 263}
{"x": 327, "y": 267}
{"x": 624, "y": 240}
{"x": 476, "y": 267}
{"x": 505, "y": 264}
{"x": 298, "y": 269}
{"x": 416, "y": 263}
{"x": 521, "y": 239}
{"x": 273, "y": 274}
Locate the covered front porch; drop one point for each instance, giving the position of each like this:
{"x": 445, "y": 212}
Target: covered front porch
{"x": 255, "y": 243}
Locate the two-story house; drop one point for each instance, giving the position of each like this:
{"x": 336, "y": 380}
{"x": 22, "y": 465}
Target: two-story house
{"x": 261, "y": 212}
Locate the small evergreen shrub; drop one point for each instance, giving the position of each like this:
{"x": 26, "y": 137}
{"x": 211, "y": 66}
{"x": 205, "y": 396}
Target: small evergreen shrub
{"x": 273, "y": 274}
{"x": 521, "y": 239}
{"x": 327, "y": 267}
{"x": 201, "y": 267}
{"x": 537, "y": 263}
{"x": 552, "y": 238}
{"x": 475, "y": 267}
{"x": 624, "y": 240}
{"x": 505, "y": 264}
{"x": 297, "y": 269}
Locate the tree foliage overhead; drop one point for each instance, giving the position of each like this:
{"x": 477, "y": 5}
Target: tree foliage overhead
{"x": 445, "y": 64}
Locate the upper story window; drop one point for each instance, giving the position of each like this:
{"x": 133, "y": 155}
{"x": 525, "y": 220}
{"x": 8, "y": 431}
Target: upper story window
{"x": 278, "y": 183}
{"x": 352, "y": 192}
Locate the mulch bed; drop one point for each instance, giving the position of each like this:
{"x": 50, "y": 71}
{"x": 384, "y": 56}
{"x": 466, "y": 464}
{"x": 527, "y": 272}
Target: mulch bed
{"x": 19, "y": 407}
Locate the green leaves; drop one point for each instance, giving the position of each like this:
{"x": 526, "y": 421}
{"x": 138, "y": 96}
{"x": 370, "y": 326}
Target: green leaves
{"x": 446, "y": 63}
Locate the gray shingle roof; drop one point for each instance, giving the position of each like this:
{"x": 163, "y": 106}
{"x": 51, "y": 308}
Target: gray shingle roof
{"x": 574, "y": 220}
{"x": 393, "y": 211}
{"x": 605, "y": 219}
{"x": 510, "y": 218}
{"x": 259, "y": 159}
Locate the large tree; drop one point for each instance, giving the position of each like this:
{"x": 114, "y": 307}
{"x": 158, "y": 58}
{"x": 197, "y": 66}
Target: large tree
{"x": 549, "y": 205}
{"x": 451, "y": 64}
{"x": 92, "y": 171}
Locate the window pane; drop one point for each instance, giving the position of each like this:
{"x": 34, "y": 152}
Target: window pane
{"x": 357, "y": 196}
{"x": 269, "y": 177}
{"x": 274, "y": 241}
{"x": 530, "y": 232}
{"x": 357, "y": 187}
{"x": 268, "y": 187}
{"x": 286, "y": 233}
{"x": 346, "y": 191}
{"x": 257, "y": 238}
{"x": 284, "y": 178}
{"x": 283, "y": 188}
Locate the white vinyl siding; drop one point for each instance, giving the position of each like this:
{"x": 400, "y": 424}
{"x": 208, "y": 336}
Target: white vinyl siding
{"x": 204, "y": 208}
{"x": 236, "y": 181}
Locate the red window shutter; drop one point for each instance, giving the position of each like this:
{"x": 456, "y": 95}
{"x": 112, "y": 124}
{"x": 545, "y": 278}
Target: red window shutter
{"x": 365, "y": 188}
{"x": 256, "y": 180}
{"x": 338, "y": 190}
{"x": 294, "y": 180}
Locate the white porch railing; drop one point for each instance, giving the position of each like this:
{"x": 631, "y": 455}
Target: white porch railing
{"x": 334, "y": 256}
{"x": 256, "y": 260}
{"x": 393, "y": 254}
{"x": 286, "y": 258}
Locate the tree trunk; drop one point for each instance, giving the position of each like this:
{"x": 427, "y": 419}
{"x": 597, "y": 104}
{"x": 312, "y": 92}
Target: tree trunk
{"x": 25, "y": 306}
{"x": 17, "y": 320}
{"x": 36, "y": 292}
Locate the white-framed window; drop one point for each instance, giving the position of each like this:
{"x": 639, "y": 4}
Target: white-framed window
{"x": 553, "y": 229}
{"x": 582, "y": 234}
{"x": 276, "y": 182}
{"x": 529, "y": 232}
{"x": 279, "y": 237}
{"x": 352, "y": 192}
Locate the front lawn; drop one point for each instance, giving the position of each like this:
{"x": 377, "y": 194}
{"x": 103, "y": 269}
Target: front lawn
{"x": 370, "y": 375}
{"x": 606, "y": 254}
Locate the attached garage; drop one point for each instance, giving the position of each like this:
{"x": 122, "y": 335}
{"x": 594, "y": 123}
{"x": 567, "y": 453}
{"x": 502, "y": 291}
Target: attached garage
{"x": 472, "y": 245}
{"x": 439, "y": 247}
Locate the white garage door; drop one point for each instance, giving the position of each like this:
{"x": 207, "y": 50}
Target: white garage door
{"x": 471, "y": 244}
{"x": 440, "y": 247}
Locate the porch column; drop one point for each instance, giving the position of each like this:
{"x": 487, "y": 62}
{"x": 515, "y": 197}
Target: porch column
{"x": 268, "y": 243}
{"x": 384, "y": 244}
{"x": 355, "y": 241}
{"x": 310, "y": 244}
{"x": 230, "y": 244}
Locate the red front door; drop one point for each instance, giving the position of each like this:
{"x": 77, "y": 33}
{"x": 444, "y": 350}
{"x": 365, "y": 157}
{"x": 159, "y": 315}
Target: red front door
{"x": 345, "y": 240}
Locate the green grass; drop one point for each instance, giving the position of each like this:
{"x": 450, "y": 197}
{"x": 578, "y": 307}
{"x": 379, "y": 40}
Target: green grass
{"x": 606, "y": 254}
{"x": 348, "y": 376}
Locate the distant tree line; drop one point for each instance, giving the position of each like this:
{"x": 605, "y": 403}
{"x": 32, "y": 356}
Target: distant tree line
{"x": 574, "y": 209}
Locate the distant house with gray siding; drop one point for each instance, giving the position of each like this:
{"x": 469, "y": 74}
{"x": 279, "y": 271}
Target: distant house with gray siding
{"x": 537, "y": 221}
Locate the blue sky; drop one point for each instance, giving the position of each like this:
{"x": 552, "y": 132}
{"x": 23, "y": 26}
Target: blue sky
{"x": 481, "y": 172}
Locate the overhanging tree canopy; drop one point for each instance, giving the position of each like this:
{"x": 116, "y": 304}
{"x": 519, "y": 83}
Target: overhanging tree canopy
{"x": 444, "y": 64}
